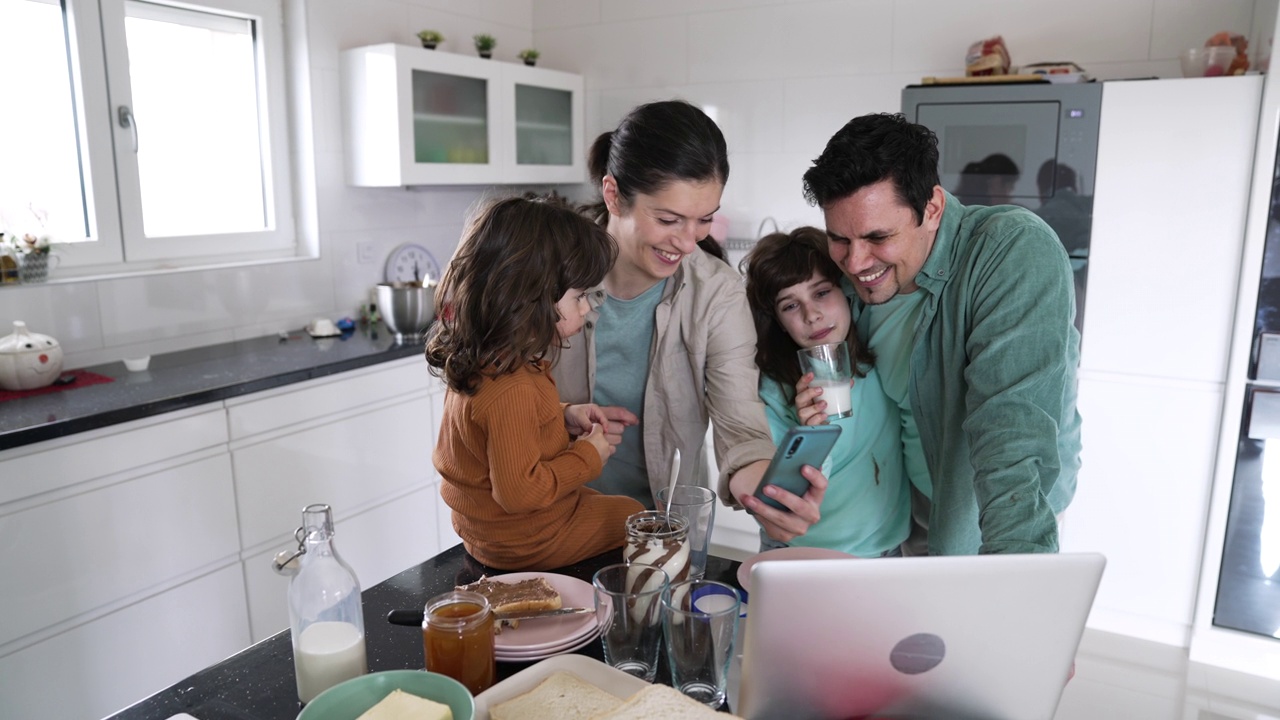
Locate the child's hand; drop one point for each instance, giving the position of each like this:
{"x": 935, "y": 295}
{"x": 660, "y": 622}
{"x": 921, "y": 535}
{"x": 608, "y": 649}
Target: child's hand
{"x": 578, "y": 419}
{"x": 601, "y": 443}
{"x": 810, "y": 407}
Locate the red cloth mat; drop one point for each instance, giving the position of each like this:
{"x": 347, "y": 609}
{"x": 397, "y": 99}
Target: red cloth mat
{"x": 84, "y": 378}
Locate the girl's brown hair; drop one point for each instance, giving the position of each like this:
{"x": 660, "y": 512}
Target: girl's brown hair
{"x": 518, "y": 256}
{"x": 778, "y": 261}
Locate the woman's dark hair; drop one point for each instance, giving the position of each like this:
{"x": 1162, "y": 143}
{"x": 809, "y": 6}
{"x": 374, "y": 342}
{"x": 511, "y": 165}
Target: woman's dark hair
{"x": 517, "y": 258}
{"x": 712, "y": 247}
{"x": 871, "y": 148}
{"x": 654, "y": 145}
{"x": 778, "y": 261}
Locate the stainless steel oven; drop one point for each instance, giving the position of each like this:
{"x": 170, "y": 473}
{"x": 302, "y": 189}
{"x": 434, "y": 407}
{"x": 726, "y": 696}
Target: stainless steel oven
{"x": 1029, "y": 144}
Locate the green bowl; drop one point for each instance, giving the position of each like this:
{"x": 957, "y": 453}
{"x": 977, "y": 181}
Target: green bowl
{"x": 347, "y": 700}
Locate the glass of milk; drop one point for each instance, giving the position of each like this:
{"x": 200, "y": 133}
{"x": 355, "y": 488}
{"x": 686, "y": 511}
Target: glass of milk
{"x": 833, "y": 373}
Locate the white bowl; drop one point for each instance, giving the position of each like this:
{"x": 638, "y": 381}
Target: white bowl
{"x": 137, "y": 364}
{"x": 1206, "y": 61}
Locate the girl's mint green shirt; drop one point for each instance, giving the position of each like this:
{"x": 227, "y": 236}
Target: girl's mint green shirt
{"x": 867, "y": 507}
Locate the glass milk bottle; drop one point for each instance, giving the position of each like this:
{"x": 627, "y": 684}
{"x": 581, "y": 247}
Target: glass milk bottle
{"x": 325, "y": 613}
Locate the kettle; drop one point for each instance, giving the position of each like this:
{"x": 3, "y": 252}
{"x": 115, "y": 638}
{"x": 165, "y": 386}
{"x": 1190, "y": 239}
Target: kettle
{"x": 28, "y": 360}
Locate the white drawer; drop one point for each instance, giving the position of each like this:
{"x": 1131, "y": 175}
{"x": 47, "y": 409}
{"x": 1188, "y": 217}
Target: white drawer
{"x": 85, "y": 552}
{"x": 110, "y": 663}
{"x": 334, "y": 394}
{"x": 377, "y": 544}
{"x": 351, "y": 465}
{"x": 63, "y": 462}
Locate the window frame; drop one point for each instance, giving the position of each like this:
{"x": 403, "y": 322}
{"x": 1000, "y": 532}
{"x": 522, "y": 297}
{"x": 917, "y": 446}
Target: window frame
{"x": 99, "y": 67}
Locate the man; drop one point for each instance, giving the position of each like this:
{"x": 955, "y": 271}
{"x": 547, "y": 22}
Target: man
{"x": 969, "y": 310}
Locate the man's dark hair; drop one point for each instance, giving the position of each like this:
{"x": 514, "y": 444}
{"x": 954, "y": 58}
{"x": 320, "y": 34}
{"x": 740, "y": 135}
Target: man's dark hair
{"x": 871, "y": 148}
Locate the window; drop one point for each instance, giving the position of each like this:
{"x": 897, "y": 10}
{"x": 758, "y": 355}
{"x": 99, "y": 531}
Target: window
{"x": 146, "y": 134}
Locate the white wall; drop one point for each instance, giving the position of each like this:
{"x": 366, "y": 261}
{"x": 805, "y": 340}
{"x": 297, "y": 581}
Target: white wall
{"x": 105, "y": 320}
{"x": 782, "y": 76}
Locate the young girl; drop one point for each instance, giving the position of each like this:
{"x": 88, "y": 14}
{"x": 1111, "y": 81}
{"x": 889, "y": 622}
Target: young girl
{"x": 796, "y": 301}
{"x": 513, "y": 294}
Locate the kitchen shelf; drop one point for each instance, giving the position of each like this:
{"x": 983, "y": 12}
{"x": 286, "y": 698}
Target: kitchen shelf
{"x": 413, "y": 116}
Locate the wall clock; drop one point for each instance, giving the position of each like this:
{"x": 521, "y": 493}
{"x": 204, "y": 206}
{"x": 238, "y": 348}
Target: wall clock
{"x": 411, "y": 262}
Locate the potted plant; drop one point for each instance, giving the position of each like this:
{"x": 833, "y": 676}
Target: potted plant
{"x": 529, "y": 56}
{"x": 430, "y": 38}
{"x": 32, "y": 254}
{"x": 484, "y": 45}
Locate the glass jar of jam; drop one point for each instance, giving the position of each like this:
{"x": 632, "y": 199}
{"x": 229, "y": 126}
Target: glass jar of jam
{"x": 457, "y": 639}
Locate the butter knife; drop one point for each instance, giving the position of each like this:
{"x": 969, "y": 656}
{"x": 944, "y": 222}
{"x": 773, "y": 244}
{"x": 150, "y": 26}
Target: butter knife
{"x": 414, "y": 617}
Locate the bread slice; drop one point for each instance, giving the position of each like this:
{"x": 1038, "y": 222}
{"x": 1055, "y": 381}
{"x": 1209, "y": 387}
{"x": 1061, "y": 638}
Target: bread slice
{"x": 400, "y": 705}
{"x": 663, "y": 701}
{"x": 561, "y": 696}
{"x": 523, "y": 596}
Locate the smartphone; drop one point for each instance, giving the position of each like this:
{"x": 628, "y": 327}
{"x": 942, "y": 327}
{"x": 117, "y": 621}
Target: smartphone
{"x": 807, "y": 445}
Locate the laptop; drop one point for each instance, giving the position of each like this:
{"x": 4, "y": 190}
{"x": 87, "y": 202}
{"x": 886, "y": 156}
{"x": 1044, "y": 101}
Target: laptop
{"x": 988, "y": 637}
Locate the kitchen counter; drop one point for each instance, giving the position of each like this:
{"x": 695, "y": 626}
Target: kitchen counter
{"x": 258, "y": 683}
{"x": 183, "y": 379}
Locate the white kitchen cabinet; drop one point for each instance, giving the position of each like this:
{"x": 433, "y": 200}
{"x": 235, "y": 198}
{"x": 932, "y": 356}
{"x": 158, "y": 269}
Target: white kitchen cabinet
{"x": 413, "y": 116}
{"x": 359, "y": 441}
{"x": 139, "y": 553}
{"x": 1174, "y": 163}
{"x": 121, "y": 564}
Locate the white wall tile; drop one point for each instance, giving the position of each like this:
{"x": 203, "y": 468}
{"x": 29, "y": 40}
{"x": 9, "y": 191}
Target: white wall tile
{"x": 68, "y": 312}
{"x": 460, "y": 29}
{"x": 749, "y": 114}
{"x": 767, "y": 185}
{"x": 615, "y": 10}
{"x": 336, "y": 25}
{"x": 166, "y": 306}
{"x": 930, "y": 34}
{"x": 780, "y": 41}
{"x": 549, "y": 14}
{"x": 818, "y": 107}
{"x": 644, "y": 53}
{"x": 1179, "y": 24}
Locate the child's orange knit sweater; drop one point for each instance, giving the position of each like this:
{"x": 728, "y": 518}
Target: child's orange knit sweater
{"x": 515, "y": 481}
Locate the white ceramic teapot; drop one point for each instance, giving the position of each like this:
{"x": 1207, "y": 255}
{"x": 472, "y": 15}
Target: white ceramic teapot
{"x": 28, "y": 360}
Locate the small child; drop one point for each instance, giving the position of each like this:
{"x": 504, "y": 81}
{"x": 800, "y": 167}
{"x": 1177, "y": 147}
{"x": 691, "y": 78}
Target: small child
{"x": 793, "y": 288}
{"x": 512, "y": 295}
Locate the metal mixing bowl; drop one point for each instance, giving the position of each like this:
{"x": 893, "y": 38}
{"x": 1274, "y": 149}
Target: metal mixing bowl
{"x": 407, "y": 308}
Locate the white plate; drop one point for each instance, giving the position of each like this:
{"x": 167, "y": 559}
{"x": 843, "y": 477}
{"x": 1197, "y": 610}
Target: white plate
{"x": 531, "y": 655}
{"x": 786, "y": 553}
{"x": 547, "y": 633}
{"x": 611, "y": 680}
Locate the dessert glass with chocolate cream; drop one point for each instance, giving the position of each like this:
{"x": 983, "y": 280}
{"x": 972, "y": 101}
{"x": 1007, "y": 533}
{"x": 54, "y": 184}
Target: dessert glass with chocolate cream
{"x": 661, "y": 540}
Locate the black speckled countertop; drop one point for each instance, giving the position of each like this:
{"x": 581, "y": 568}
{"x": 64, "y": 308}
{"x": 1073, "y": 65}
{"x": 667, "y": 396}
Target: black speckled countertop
{"x": 183, "y": 379}
{"x": 258, "y": 682}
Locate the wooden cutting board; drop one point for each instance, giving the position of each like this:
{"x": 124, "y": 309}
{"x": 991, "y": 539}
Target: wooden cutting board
{"x": 983, "y": 79}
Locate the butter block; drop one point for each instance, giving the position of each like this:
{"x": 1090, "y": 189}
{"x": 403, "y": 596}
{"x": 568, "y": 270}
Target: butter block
{"x": 400, "y": 705}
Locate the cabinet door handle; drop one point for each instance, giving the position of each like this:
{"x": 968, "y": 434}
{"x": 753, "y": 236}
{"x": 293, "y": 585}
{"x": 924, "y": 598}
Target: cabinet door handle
{"x": 125, "y": 117}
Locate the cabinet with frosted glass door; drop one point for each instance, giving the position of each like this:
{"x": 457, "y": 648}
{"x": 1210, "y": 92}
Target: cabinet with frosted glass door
{"x": 421, "y": 117}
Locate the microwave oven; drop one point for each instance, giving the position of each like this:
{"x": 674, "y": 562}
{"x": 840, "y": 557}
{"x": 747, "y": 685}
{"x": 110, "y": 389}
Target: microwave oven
{"x": 1029, "y": 144}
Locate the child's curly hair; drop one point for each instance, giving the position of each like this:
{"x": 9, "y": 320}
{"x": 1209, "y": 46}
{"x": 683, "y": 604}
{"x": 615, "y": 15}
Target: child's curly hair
{"x": 518, "y": 256}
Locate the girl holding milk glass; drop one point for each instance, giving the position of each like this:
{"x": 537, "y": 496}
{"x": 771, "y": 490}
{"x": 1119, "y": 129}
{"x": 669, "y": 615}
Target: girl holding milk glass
{"x": 797, "y": 305}
{"x": 669, "y": 344}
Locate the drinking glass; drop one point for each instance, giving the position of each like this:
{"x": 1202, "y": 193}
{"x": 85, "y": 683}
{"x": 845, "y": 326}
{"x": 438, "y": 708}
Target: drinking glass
{"x": 699, "y": 620}
{"x": 833, "y": 373}
{"x": 697, "y": 505}
{"x": 629, "y": 609}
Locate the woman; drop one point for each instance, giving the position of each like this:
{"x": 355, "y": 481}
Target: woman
{"x": 669, "y": 344}
{"x": 796, "y": 300}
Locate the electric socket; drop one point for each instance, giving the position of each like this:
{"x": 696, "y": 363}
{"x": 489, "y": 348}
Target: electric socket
{"x": 364, "y": 252}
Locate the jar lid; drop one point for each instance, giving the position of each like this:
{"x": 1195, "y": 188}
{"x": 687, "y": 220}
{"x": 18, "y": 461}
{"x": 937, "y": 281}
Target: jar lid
{"x": 24, "y": 341}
